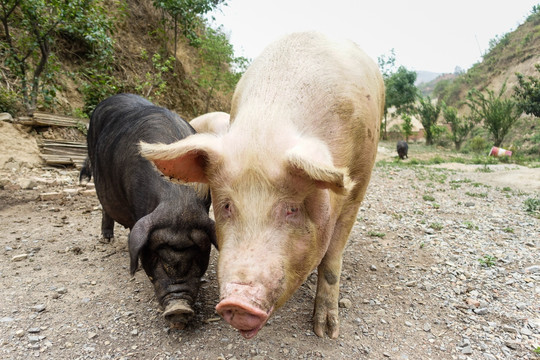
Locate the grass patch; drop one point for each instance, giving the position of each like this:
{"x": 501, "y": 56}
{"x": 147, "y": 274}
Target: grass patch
{"x": 378, "y": 234}
{"x": 532, "y": 206}
{"x": 436, "y": 226}
{"x": 477, "y": 195}
{"x": 487, "y": 260}
{"x": 470, "y": 225}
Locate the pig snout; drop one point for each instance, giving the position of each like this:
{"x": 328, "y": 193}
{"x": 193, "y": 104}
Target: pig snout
{"x": 242, "y": 310}
{"x": 178, "y": 312}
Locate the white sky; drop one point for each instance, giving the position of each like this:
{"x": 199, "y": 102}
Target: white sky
{"x": 429, "y": 35}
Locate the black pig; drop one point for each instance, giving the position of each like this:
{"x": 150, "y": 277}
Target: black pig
{"x": 169, "y": 225}
{"x": 402, "y": 149}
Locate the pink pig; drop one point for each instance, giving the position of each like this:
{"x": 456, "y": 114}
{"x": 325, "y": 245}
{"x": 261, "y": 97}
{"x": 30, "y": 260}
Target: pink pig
{"x": 288, "y": 177}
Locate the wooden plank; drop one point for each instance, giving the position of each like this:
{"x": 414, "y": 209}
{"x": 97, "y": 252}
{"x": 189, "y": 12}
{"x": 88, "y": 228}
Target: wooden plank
{"x": 46, "y": 119}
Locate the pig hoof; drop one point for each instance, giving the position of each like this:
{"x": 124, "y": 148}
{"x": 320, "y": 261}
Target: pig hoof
{"x": 106, "y": 240}
{"x": 178, "y": 313}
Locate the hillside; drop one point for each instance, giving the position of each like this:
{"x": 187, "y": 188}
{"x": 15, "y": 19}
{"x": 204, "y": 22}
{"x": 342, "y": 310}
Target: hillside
{"x": 142, "y": 45}
{"x": 516, "y": 51}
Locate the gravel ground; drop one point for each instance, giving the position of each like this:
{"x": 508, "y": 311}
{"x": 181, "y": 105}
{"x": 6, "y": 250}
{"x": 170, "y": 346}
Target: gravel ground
{"x": 440, "y": 265}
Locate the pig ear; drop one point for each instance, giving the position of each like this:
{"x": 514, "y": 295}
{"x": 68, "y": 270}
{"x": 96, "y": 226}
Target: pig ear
{"x": 185, "y": 160}
{"x": 319, "y": 172}
{"x": 138, "y": 237}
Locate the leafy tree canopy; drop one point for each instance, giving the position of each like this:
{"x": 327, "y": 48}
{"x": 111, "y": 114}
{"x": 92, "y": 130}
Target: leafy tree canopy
{"x": 527, "y": 93}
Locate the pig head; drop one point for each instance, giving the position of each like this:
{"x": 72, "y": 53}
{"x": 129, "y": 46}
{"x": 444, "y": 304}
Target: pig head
{"x": 288, "y": 177}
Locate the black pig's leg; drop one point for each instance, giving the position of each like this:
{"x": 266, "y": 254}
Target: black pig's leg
{"x": 107, "y": 227}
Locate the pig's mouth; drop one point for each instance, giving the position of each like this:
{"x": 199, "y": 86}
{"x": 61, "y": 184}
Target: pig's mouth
{"x": 248, "y": 319}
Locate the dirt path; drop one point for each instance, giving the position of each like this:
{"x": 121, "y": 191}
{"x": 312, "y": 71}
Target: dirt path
{"x": 412, "y": 286}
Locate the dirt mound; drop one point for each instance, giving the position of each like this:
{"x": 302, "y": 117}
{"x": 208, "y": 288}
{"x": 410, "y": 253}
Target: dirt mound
{"x": 17, "y": 147}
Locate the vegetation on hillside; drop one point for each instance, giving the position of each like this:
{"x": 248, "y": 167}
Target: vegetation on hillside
{"x": 66, "y": 56}
{"x": 478, "y": 109}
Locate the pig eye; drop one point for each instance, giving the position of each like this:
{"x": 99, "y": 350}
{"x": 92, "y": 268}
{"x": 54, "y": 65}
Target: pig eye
{"x": 227, "y": 209}
{"x": 291, "y": 210}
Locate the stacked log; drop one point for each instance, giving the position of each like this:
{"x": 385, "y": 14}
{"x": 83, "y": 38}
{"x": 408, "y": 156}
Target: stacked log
{"x": 57, "y": 152}
{"x": 63, "y": 152}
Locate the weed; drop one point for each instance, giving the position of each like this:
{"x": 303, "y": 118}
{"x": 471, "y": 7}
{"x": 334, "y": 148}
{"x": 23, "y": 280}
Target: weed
{"x": 470, "y": 225}
{"x": 478, "y": 195}
{"x": 537, "y": 350}
{"x": 508, "y": 230}
{"x": 532, "y": 205}
{"x": 436, "y": 226}
{"x": 506, "y": 188}
{"x": 376, "y": 234}
{"x": 428, "y": 197}
{"x": 436, "y": 206}
{"x": 484, "y": 169}
{"x": 487, "y": 260}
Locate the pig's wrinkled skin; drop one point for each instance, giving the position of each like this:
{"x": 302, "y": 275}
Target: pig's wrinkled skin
{"x": 402, "y": 149}
{"x": 213, "y": 123}
{"x": 288, "y": 177}
{"x": 170, "y": 229}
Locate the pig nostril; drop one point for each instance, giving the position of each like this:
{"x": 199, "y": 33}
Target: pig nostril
{"x": 228, "y": 315}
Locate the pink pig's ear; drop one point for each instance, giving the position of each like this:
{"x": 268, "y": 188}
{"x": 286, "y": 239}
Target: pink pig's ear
{"x": 185, "y": 160}
{"x": 318, "y": 169}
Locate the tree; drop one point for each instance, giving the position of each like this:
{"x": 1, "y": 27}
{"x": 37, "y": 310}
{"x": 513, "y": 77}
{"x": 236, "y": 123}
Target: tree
{"x": 220, "y": 69}
{"x": 407, "y": 126}
{"x": 186, "y": 14}
{"x": 527, "y": 93}
{"x": 497, "y": 113}
{"x": 428, "y": 113}
{"x": 459, "y": 126}
{"x": 400, "y": 92}
{"x": 29, "y": 30}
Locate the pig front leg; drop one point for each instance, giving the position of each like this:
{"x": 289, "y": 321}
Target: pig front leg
{"x": 326, "y": 313}
{"x": 107, "y": 227}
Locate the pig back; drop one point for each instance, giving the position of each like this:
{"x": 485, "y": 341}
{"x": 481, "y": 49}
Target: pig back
{"x": 128, "y": 186}
{"x": 318, "y": 87}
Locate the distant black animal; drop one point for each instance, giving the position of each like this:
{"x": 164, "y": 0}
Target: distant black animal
{"x": 402, "y": 149}
{"x": 170, "y": 230}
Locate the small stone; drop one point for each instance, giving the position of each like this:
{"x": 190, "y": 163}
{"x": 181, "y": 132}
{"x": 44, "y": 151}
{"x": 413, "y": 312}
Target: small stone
{"x": 27, "y": 184}
{"x": 509, "y": 329}
{"x": 427, "y": 327}
{"x": 89, "y": 193}
{"x": 469, "y": 204}
{"x": 532, "y": 269}
{"x": 511, "y": 344}
{"x": 33, "y": 339}
{"x": 34, "y": 330}
{"x": 408, "y": 323}
{"x": 410, "y": 283}
{"x": 526, "y": 331}
{"x": 92, "y": 335}
{"x": 61, "y": 290}
{"x": 488, "y": 356}
{"x": 70, "y": 192}
{"x": 467, "y": 350}
{"x": 20, "y": 257}
{"x": 481, "y": 311}
{"x": 50, "y": 196}
{"x": 134, "y": 332}
{"x": 472, "y": 302}
{"x": 372, "y": 268}
{"x": 38, "y": 308}
{"x": 19, "y": 333}
{"x": 345, "y": 303}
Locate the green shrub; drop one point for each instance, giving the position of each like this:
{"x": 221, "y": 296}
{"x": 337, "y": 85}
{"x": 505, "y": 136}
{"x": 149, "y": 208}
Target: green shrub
{"x": 8, "y": 101}
{"x": 479, "y": 145}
